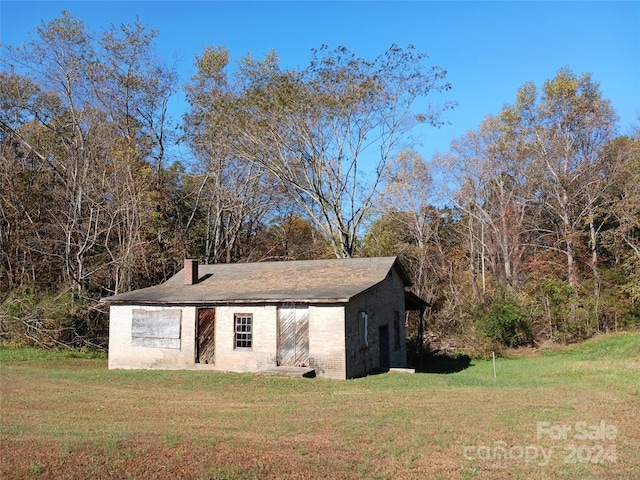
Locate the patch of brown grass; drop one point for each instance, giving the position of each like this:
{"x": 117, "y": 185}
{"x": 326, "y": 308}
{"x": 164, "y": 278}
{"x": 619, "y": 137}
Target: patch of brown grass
{"x": 73, "y": 419}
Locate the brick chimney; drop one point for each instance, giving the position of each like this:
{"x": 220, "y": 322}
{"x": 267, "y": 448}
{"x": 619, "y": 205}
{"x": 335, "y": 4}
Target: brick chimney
{"x": 190, "y": 272}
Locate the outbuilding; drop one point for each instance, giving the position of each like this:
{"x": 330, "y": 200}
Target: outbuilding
{"x": 338, "y": 318}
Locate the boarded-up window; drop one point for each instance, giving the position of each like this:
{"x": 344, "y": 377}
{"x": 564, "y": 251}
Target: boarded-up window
{"x": 396, "y": 329}
{"x": 156, "y": 328}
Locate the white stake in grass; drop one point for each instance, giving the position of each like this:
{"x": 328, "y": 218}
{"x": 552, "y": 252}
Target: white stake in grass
{"x": 493, "y": 355}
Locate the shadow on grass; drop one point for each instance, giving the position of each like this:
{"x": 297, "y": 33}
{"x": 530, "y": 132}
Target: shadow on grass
{"x": 443, "y": 363}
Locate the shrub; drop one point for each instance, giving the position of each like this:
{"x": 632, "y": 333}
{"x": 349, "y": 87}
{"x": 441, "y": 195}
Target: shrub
{"x": 505, "y": 321}
{"x": 37, "y": 319}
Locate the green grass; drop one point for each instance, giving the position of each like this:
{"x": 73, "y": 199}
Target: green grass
{"x": 26, "y": 354}
{"x": 621, "y": 346}
{"x": 63, "y": 411}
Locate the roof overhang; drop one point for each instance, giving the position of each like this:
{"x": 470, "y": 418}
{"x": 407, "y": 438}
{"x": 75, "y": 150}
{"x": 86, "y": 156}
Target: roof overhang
{"x": 414, "y": 302}
{"x": 220, "y": 303}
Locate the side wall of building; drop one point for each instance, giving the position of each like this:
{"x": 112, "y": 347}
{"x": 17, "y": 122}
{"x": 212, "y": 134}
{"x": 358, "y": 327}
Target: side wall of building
{"x": 377, "y": 315}
{"x": 326, "y": 341}
{"x": 136, "y": 341}
{"x": 134, "y": 347}
{"x": 262, "y": 353}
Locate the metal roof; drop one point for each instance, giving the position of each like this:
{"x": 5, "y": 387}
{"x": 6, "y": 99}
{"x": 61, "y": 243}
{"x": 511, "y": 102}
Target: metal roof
{"x": 319, "y": 281}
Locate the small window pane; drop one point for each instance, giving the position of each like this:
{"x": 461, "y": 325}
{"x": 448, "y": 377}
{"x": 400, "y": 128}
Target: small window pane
{"x": 243, "y": 331}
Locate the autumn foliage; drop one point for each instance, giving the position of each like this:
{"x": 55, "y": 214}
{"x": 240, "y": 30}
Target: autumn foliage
{"x": 527, "y": 230}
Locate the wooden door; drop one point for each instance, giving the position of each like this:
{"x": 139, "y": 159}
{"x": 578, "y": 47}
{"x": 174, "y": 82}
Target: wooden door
{"x": 205, "y": 336}
{"x": 293, "y": 336}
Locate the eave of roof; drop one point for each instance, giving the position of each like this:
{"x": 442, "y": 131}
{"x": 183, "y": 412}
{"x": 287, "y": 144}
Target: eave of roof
{"x": 414, "y": 302}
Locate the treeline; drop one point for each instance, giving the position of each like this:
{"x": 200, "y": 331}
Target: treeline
{"x": 537, "y": 235}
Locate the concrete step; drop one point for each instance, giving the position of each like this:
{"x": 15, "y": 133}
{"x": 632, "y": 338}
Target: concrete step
{"x": 303, "y": 372}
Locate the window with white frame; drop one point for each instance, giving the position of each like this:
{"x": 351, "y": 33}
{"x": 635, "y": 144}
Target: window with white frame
{"x": 243, "y": 330}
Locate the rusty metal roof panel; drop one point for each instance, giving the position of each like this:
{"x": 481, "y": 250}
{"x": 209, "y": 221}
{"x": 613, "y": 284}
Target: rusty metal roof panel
{"x": 321, "y": 281}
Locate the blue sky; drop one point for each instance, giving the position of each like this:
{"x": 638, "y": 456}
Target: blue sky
{"x": 489, "y": 49}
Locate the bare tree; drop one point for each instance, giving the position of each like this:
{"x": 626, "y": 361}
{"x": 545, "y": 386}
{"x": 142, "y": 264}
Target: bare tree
{"x": 325, "y": 132}
{"x": 230, "y": 196}
{"x": 408, "y": 196}
{"x": 489, "y": 173}
{"x": 565, "y": 132}
{"x": 97, "y": 121}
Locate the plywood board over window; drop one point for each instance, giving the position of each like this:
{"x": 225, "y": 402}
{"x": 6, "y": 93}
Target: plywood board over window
{"x": 156, "y": 328}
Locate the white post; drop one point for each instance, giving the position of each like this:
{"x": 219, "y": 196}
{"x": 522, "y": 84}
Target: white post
{"x": 493, "y": 355}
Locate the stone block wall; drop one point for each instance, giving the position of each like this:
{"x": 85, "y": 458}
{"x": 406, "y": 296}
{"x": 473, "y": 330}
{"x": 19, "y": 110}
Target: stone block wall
{"x": 125, "y": 354}
{"x": 261, "y": 355}
{"x": 381, "y": 304}
{"x": 327, "y": 341}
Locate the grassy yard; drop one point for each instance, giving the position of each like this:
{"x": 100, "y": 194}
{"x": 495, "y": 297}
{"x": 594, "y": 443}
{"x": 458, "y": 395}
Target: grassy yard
{"x": 564, "y": 414}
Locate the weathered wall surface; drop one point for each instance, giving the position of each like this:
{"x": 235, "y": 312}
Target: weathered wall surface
{"x": 129, "y": 349}
{"x": 261, "y": 355}
{"x": 326, "y": 341}
{"x": 335, "y": 351}
{"x": 382, "y": 304}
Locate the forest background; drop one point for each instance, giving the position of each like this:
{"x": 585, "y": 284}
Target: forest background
{"x": 527, "y": 230}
